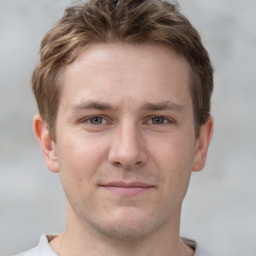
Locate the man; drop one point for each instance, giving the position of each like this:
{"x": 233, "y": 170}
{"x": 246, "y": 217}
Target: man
{"x": 123, "y": 90}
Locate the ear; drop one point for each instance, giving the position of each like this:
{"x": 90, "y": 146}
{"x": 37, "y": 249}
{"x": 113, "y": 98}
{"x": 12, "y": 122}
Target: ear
{"x": 48, "y": 146}
{"x": 202, "y": 145}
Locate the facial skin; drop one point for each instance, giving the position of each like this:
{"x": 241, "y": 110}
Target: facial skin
{"x": 125, "y": 142}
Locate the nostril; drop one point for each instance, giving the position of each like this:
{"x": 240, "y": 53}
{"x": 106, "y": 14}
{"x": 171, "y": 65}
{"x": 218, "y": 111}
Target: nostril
{"x": 139, "y": 163}
{"x": 117, "y": 164}
{"x": 127, "y": 156}
{"x": 127, "y": 166}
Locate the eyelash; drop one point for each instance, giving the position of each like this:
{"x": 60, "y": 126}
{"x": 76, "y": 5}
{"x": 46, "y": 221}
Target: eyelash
{"x": 162, "y": 118}
{"x": 90, "y": 119}
{"x": 150, "y": 121}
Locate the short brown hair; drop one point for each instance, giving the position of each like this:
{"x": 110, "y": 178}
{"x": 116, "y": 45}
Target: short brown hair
{"x": 129, "y": 21}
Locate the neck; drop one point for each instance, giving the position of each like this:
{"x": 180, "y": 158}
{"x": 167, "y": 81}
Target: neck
{"x": 81, "y": 239}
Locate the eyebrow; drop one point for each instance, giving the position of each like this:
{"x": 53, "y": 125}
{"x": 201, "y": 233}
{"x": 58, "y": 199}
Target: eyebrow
{"x": 166, "y": 105}
{"x": 148, "y": 106}
{"x": 92, "y": 105}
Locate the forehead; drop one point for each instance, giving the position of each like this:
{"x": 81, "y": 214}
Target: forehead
{"x": 101, "y": 56}
{"x": 114, "y": 72}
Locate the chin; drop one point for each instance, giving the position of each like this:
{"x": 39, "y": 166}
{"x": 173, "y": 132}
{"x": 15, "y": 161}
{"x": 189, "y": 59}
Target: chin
{"x": 128, "y": 225}
{"x": 125, "y": 231}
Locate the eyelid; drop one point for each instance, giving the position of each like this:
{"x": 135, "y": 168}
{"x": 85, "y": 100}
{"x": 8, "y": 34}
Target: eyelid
{"x": 106, "y": 120}
{"x": 87, "y": 119}
{"x": 168, "y": 119}
{"x": 103, "y": 120}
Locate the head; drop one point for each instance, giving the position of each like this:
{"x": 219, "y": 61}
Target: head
{"x": 113, "y": 21}
{"x": 123, "y": 89}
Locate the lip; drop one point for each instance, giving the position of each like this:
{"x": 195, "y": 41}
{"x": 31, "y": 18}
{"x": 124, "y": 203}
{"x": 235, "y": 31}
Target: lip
{"x": 127, "y": 188}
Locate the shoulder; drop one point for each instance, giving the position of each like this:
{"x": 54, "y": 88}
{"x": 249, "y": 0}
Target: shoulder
{"x": 30, "y": 252}
{"x": 42, "y": 249}
{"x": 202, "y": 252}
{"x": 198, "y": 250}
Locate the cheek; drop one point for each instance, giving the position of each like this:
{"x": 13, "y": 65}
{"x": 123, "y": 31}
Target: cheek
{"x": 80, "y": 153}
{"x": 173, "y": 151}
{"x": 78, "y": 163}
{"x": 79, "y": 160}
{"x": 174, "y": 159}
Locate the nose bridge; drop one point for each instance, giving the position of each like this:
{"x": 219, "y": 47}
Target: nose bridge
{"x": 128, "y": 137}
{"x": 127, "y": 147}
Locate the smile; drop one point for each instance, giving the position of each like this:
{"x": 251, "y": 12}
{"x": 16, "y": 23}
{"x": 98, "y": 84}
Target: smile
{"x": 127, "y": 189}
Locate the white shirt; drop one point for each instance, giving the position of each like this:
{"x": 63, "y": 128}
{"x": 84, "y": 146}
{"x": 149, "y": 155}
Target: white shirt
{"x": 44, "y": 249}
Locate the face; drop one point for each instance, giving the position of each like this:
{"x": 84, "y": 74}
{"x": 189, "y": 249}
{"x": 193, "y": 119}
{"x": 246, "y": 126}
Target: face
{"x": 125, "y": 138}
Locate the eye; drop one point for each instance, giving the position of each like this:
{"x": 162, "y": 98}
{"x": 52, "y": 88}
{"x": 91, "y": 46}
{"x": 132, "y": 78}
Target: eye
{"x": 97, "y": 120}
{"x": 158, "y": 120}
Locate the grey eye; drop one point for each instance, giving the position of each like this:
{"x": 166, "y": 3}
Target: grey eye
{"x": 96, "y": 120}
{"x": 158, "y": 120}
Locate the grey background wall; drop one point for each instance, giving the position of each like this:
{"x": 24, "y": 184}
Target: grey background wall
{"x": 219, "y": 210}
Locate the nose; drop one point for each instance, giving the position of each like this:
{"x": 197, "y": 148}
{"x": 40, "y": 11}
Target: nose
{"x": 127, "y": 147}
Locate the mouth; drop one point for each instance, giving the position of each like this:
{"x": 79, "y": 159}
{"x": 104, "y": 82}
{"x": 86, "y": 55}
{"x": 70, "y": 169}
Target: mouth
{"x": 127, "y": 189}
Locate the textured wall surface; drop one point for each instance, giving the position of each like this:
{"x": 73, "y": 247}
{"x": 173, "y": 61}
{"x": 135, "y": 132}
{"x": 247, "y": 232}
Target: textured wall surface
{"x": 220, "y": 208}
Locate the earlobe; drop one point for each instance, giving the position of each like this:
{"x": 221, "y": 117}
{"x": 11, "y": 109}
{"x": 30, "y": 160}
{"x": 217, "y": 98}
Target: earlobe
{"x": 202, "y": 145}
{"x": 48, "y": 146}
